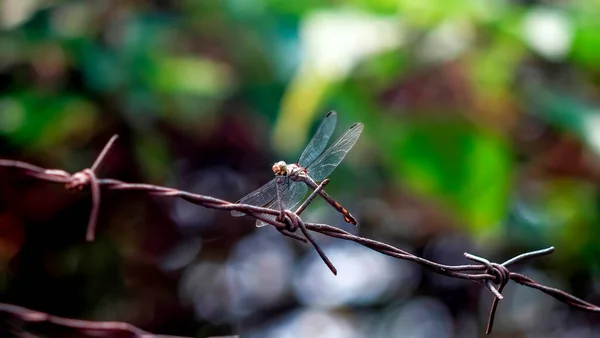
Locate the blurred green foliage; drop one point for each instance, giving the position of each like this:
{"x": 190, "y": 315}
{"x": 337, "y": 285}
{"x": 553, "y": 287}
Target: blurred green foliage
{"x": 464, "y": 102}
{"x": 184, "y": 60}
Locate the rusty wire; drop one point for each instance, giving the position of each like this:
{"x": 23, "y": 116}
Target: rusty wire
{"x": 32, "y": 316}
{"x": 493, "y": 275}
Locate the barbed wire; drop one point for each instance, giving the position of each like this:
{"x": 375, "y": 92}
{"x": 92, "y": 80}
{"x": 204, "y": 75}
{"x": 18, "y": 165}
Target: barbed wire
{"x": 32, "y": 316}
{"x": 492, "y": 275}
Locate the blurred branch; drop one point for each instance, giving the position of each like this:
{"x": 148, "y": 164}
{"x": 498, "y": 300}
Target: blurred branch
{"x": 487, "y": 273}
{"x": 32, "y": 316}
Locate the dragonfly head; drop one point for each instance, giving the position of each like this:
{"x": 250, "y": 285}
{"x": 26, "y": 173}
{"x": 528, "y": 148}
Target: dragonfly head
{"x": 280, "y": 168}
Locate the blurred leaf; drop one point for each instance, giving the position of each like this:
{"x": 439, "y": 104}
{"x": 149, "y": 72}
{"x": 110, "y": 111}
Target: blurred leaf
{"x": 334, "y": 42}
{"x": 40, "y": 122}
{"x": 493, "y": 68}
{"x": 295, "y": 7}
{"x": 378, "y": 6}
{"x": 298, "y": 108}
{"x": 430, "y": 13}
{"x": 585, "y": 49}
{"x": 153, "y": 156}
{"x": 468, "y": 170}
{"x": 187, "y": 75}
{"x": 568, "y": 206}
{"x": 585, "y": 45}
{"x": 102, "y": 69}
{"x": 492, "y": 74}
{"x": 384, "y": 68}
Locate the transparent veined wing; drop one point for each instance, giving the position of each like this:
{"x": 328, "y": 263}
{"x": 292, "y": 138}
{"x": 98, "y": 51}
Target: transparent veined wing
{"x": 292, "y": 195}
{"x": 319, "y": 141}
{"x": 331, "y": 158}
{"x": 259, "y": 197}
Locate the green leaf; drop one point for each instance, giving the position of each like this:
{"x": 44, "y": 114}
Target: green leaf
{"x": 466, "y": 169}
{"x": 586, "y": 40}
{"x": 40, "y": 121}
{"x": 190, "y": 75}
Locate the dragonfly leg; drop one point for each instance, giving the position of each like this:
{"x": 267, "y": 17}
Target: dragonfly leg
{"x": 316, "y": 246}
{"x": 311, "y": 197}
{"x": 281, "y": 216}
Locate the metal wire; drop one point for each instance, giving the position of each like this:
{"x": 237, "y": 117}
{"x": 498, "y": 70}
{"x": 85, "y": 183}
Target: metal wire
{"x": 486, "y": 272}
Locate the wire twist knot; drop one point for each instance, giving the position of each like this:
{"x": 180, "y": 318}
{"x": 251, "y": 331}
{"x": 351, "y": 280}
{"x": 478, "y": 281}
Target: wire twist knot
{"x": 81, "y": 181}
{"x": 500, "y": 272}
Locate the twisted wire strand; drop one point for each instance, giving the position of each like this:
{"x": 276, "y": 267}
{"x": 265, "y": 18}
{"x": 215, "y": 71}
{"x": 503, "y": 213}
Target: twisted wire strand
{"x": 486, "y": 272}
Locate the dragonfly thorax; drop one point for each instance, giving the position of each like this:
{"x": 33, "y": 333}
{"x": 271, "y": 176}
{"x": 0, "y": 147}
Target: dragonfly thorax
{"x": 283, "y": 169}
{"x": 291, "y": 182}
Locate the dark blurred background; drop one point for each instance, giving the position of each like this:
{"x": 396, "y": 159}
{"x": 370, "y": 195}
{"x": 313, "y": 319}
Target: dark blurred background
{"x": 482, "y": 134}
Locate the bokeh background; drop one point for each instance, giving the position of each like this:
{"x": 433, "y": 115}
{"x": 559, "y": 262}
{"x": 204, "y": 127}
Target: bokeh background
{"x": 482, "y": 134}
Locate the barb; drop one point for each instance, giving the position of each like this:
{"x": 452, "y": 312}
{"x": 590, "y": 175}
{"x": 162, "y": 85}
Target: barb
{"x": 103, "y": 153}
{"x": 286, "y": 222}
{"x": 503, "y": 276}
{"x": 295, "y": 221}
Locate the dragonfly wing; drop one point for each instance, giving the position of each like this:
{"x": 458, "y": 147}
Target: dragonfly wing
{"x": 317, "y": 144}
{"x": 291, "y": 197}
{"x": 331, "y": 158}
{"x": 259, "y": 197}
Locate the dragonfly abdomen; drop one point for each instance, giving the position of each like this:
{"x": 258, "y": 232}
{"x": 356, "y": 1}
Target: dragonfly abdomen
{"x": 347, "y": 216}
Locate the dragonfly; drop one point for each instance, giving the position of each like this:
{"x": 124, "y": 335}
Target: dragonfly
{"x": 314, "y": 165}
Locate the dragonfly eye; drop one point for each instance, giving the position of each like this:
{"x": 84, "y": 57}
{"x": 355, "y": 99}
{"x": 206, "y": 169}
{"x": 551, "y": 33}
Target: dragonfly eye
{"x": 279, "y": 168}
